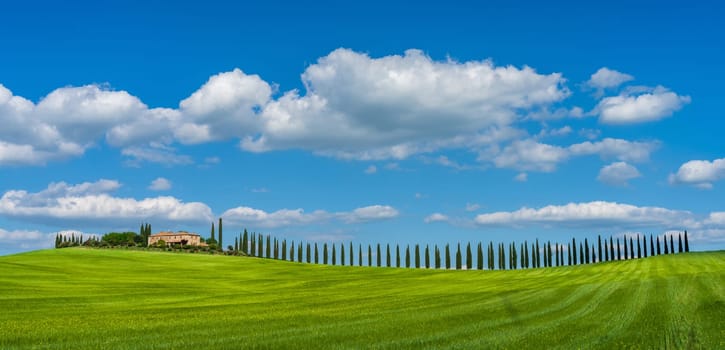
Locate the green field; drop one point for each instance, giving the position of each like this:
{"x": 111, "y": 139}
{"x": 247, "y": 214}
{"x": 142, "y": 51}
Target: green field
{"x": 79, "y": 298}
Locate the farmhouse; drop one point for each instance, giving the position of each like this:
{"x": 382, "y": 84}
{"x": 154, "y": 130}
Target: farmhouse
{"x": 181, "y": 237}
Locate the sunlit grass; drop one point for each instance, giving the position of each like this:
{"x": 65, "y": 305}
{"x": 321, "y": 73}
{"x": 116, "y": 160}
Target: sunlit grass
{"x": 104, "y": 299}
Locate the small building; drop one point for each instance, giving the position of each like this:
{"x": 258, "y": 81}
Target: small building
{"x": 181, "y": 237}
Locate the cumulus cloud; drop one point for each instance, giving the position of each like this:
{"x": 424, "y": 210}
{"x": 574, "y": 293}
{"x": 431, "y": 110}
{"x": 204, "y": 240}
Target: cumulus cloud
{"x": 635, "y": 106}
{"x": 586, "y": 214}
{"x": 160, "y": 184}
{"x": 91, "y": 202}
{"x": 606, "y": 78}
{"x": 296, "y": 217}
{"x": 531, "y": 155}
{"x": 618, "y": 173}
{"x": 435, "y": 217}
{"x": 700, "y": 173}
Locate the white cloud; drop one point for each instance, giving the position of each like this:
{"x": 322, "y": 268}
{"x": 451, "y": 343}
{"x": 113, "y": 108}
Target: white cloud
{"x": 296, "y": 217}
{"x": 609, "y": 148}
{"x": 371, "y": 169}
{"x": 618, "y": 173}
{"x": 587, "y": 214}
{"x": 360, "y": 107}
{"x": 521, "y": 177}
{"x": 635, "y": 106}
{"x": 700, "y": 173}
{"x": 472, "y": 206}
{"x": 161, "y": 155}
{"x": 529, "y": 155}
{"x": 90, "y": 203}
{"x": 606, "y": 78}
{"x": 435, "y": 217}
{"x": 160, "y": 184}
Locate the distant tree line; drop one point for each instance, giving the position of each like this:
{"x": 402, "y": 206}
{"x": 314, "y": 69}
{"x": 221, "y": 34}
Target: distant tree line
{"x": 508, "y": 256}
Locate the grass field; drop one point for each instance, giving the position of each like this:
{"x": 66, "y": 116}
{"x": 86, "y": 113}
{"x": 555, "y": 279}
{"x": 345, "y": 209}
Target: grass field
{"x": 79, "y": 298}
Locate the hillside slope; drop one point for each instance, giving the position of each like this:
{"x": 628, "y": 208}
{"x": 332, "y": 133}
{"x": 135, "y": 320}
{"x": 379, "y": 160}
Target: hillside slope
{"x": 115, "y": 299}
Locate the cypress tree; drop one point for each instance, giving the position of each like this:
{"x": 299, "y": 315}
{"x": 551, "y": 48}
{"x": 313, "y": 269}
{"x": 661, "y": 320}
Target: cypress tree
{"x": 526, "y": 254}
{"x": 437, "y": 257}
{"x": 407, "y": 256}
{"x": 370, "y": 256}
{"x": 379, "y": 256}
{"x": 417, "y": 256}
{"x": 253, "y": 246}
{"x": 387, "y": 255}
{"x": 317, "y": 253}
{"x": 299, "y": 252}
{"x": 619, "y": 254}
{"x": 221, "y": 241}
{"x": 522, "y": 261}
{"x": 599, "y": 240}
{"x": 212, "y": 231}
{"x": 573, "y": 252}
{"x": 269, "y": 248}
{"x": 275, "y": 248}
{"x": 359, "y": 255}
{"x": 458, "y": 257}
{"x": 639, "y": 249}
{"x": 556, "y": 249}
{"x": 644, "y": 242}
{"x": 324, "y": 253}
{"x": 245, "y": 244}
{"x": 448, "y": 257}
{"x": 479, "y": 257}
{"x": 333, "y": 254}
{"x": 490, "y": 256}
{"x": 549, "y": 253}
{"x": 581, "y": 253}
{"x": 537, "y": 261}
{"x": 667, "y": 251}
{"x": 672, "y": 245}
{"x": 586, "y": 246}
{"x": 292, "y": 252}
{"x": 260, "y": 243}
{"x": 568, "y": 253}
{"x": 631, "y": 248}
{"x": 352, "y": 259}
{"x": 284, "y": 249}
{"x": 611, "y": 248}
{"x": 658, "y": 246}
{"x": 594, "y": 254}
{"x": 427, "y": 257}
{"x": 687, "y": 244}
{"x": 626, "y": 255}
{"x": 342, "y": 254}
{"x": 397, "y": 255}
{"x": 606, "y": 251}
{"x": 236, "y": 244}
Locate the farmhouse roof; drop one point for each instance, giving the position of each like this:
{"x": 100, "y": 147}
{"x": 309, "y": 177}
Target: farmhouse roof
{"x": 169, "y": 233}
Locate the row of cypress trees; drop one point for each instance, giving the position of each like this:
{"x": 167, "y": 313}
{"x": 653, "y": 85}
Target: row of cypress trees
{"x": 63, "y": 241}
{"x": 508, "y": 256}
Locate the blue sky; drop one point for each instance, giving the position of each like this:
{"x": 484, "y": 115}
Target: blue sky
{"x": 371, "y": 122}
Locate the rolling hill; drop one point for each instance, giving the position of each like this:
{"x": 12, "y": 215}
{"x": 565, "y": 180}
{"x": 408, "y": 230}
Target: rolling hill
{"x": 80, "y": 298}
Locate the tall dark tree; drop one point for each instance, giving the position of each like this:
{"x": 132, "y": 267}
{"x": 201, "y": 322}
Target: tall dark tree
{"x": 284, "y": 249}
{"x": 548, "y": 244}
{"x": 526, "y": 254}
{"x": 417, "y": 256}
{"x": 490, "y": 256}
{"x": 387, "y": 255}
{"x": 269, "y": 248}
{"x": 236, "y": 244}
{"x": 619, "y": 254}
{"x": 397, "y": 255}
{"x": 606, "y": 251}
{"x": 448, "y": 257}
{"x": 586, "y": 253}
{"x": 212, "y": 232}
{"x": 556, "y": 249}
{"x": 221, "y": 241}
{"x": 611, "y": 248}
{"x": 260, "y": 243}
{"x": 370, "y": 256}
{"x": 672, "y": 245}
{"x": 626, "y": 253}
{"x": 407, "y": 256}
{"x": 299, "y": 252}
{"x": 253, "y": 246}
{"x": 594, "y": 254}
{"x": 378, "y": 257}
{"x": 568, "y": 252}
{"x": 644, "y": 243}
{"x": 667, "y": 251}
{"x": 292, "y": 251}
{"x": 658, "y": 246}
{"x": 245, "y": 243}
{"x": 631, "y": 248}
{"x": 427, "y": 257}
{"x": 581, "y": 253}
{"x": 324, "y": 253}
{"x": 352, "y": 259}
{"x": 342, "y": 254}
{"x": 537, "y": 261}
{"x": 599, "y": 242}
{"x": 573, "y": 252}
{"x": 639, "y": 248}
{"x": 479, "y": 257}
{"x": 458, "y": 257}
{"x": 687, "y": 244}
{"x": 333, "y": 254}
{"x": 437, "y": 258}
{"x": 317, "y": 253}
{"x": 359, "y": 255}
